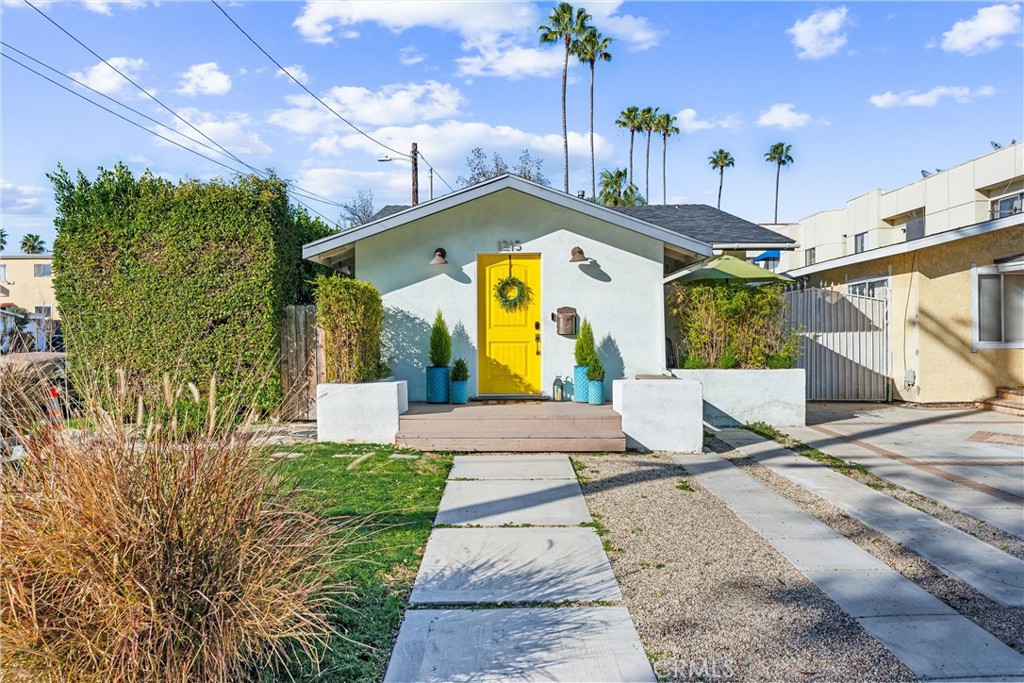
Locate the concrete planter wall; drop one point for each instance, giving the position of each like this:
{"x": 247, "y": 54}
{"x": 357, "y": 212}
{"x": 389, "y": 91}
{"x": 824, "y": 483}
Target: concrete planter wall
{"x": 660, "y": 414}
{"x": 738, "y": 397}
{"x": 365, "y": 413}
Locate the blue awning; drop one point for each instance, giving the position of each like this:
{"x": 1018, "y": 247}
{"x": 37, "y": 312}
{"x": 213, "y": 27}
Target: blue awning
{"x": 770, "y": 254}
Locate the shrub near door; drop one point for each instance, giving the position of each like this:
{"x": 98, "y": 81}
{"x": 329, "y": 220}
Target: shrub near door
{"x": 439, "y": 373}
{"x": 584, "y": 351}
{"x": 595, "y": 383}
{"x": 460, "y": 382}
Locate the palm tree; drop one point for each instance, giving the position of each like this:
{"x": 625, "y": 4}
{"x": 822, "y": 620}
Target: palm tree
{"x": 616, "y": 192}
{"x": 647, "y": 116}
{"x": 666, "y": 125}
{"x": 591, "y": 48}
{"x": 565, "y": 25}
{"x": 778, "y": 154}
{"x": 32, "y": 244}
{"x": 630, "y": 119}
{"x": 3, "y": 239}
{"x": 721, "y": 160}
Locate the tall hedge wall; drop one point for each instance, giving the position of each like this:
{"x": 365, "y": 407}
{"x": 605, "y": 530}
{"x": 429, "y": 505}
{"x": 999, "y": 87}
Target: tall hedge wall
{"x": 188, "y": 278}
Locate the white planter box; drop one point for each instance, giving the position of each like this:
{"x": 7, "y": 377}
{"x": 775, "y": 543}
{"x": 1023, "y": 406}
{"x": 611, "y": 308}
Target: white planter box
{"x": 366, "y": 413}
{"x": 660, "y": 414}
{"x": 739, "y": 397}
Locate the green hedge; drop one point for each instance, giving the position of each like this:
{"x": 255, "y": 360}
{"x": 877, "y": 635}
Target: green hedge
{"x": 189, "y": 278}
{"x": 351, "y": 314}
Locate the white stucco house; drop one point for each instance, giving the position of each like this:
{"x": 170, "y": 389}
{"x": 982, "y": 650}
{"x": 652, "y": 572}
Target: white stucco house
{"x": 510, "y": 225}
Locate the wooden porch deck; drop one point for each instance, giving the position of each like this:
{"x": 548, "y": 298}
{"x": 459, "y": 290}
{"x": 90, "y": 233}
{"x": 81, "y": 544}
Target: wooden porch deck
{"x": 514, "y": 427}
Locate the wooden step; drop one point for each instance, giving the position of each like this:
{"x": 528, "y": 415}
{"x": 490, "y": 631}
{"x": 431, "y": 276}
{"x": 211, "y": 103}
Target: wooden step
{"x": 512, "y": 426}
{"x": 1011, "y": 393}
{"x": 1005, "y": 406}
{"x": 503, "y": 443}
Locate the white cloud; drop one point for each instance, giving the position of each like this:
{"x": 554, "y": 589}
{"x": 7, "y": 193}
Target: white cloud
{"x": 985, "y": 31}
{"x": 19, "y": 199}
{"x": 410, "y": 55}
{"x": 233, "y": 132}
{"x": 912, "y": 98}
{"x": 821, "y": 34}
{"x": 295, "y": 70}
{"x": 785, "y": 116}
{"x": 636, "y": 32}
{"x": 512, "y": 61}
{"x": 107, "y": 81}
{"x": 392, "y": 104}
{"x": 106, "y": 6}
{"x": 204, "y": 79}
{"x": 689, "y": 122}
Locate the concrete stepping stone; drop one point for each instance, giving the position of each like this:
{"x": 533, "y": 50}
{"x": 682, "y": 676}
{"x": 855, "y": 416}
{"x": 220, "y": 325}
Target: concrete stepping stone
{"x": 526, "y": 644}
{"x": 512, "y": 467}
{"x": 491, "y": 566}
{"x": 997, "y": 574}
{"x": 496, "y": 502}
{"x": 914, "y": 625}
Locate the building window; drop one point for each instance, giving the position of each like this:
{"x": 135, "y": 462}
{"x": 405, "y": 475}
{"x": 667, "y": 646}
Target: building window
{"x": 915, "y": 228}
{"x": 998, "y": 319}
{"x": 860, "y": 242}
{"x": 3, "y": 272}
{"x": 1007, "y": 206}
{"x": 42, "y": 270}
{"x": 44, "y": 311}
{"x": 810, "y": 256}
{"x": 875, "y": 287}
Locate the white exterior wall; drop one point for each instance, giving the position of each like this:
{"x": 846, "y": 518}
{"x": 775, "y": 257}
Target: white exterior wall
{"x": 621, "y": 293}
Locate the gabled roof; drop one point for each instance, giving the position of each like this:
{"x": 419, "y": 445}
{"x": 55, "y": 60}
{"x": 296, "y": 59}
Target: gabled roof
{"x": 321, "y": 249}
{"x": 708, "y": 224}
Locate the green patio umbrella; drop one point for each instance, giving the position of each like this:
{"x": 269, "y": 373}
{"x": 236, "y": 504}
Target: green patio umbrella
{"x": 727, "y": 268}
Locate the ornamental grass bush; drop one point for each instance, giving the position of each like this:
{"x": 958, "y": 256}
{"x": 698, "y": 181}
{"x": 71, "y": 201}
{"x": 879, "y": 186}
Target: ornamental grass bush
{"x": 733, "y": 326}
{"x": 351, "y": 314}
{"x": 134, "y": 552}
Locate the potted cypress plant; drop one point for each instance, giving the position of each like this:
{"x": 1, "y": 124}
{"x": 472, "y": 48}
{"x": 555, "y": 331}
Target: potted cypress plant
{"x": 584, "y": 351}
{"x": 439, "y": 373}
{"x": 460, "y": 381}
{"x": 595, "y": 381}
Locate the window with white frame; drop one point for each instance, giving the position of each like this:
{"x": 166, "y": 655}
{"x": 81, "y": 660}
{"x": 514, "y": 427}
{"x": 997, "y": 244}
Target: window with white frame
{"x": 860, "y": 242}
{"x": 1007, "y": 206}
{"x": 3, "y": 272}
{"x": 44, "y": 311}
{"x": 874, "y": 287}
{"x": 42, "y": 270}
{"x": 998, "y": 315}
{"x": 810, "y": 256}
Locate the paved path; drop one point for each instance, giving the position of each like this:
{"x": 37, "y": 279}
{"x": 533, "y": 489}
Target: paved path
{"x": 927, "y": 635}
{"x": 503, "y": 572}
{"x": 991, "y": 571}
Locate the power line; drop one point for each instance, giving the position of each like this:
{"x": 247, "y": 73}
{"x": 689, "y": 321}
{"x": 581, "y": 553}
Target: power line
{"x": 148, "y": 130}
{"x": 224, "y": 150}
{"x": 435, "y": 172}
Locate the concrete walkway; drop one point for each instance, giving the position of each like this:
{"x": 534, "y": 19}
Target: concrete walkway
{"x": 991, "y": 571}
{"x": 927, "y": 635}
{"x": 503, "y": 572}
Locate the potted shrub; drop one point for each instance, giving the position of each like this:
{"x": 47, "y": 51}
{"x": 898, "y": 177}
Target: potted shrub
{"x": 585, "y": 349}
{"x": 439, "y": 373}
{"x": 460, "y": 381}
{"x": 595, "y": 381}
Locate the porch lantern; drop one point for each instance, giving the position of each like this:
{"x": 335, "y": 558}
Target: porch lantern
{"x": 578, "y": 256}
{"x": 439, "y": 257}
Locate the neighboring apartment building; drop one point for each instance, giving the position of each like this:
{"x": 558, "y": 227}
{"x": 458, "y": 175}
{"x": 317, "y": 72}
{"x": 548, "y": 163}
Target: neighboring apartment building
{"x": 26, "y": 280}
{"x": 947, "y": 251}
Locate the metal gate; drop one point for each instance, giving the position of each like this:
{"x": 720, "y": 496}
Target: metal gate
{"x": 844, "y": 345}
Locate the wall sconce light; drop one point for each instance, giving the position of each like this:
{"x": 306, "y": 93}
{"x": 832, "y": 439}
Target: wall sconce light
{"x": 439, "y": 257}
{"x": 578, "y": 256}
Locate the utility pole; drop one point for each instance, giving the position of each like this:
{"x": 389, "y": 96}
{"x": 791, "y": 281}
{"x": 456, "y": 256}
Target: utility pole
{"x": 431, "y": 182}
{"x": 414, "y": 155}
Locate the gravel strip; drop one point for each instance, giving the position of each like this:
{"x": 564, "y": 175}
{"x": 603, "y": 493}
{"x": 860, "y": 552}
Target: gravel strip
{"x": 1005, "y": 623}
{"x": 711, "y": 599}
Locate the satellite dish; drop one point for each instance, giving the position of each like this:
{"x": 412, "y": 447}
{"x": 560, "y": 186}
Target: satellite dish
{"x": 925, "y": 174}
{"x": 996, "y": 145}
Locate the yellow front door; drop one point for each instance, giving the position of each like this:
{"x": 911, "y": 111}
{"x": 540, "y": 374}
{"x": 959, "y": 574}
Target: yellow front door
{"x": 509, "y": 355}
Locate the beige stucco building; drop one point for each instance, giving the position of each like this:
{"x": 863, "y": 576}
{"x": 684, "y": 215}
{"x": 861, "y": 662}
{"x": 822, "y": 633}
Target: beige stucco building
{"x": 26, "y": 280}
{"x": 947, "y": 252}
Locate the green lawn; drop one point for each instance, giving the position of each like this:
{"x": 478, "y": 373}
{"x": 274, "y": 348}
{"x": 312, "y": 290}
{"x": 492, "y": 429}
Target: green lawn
{"x": 394, "y": 502}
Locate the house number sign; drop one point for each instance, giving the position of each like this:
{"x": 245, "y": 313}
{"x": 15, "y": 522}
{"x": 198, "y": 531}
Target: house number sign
{"x": 510, "y": 245}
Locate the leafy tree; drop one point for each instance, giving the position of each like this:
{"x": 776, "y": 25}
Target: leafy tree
{"x": 665, "y": 124}
{"x": 720, "y": 161}
{"x": 616, "y": 192}
{"x": 3, "y": 239}
{"x": 440, "y": 343}
{"x": 591, "y": 48}
{"x": 359, "y": 209}
{"x": 647, "y": 117}
{"x": 629, "y": 119}
{"x": 32, "y": 244}
{"x": 480, "y": 169}
{"x": 565, "y": 25}
{"x": 778, "y": 154}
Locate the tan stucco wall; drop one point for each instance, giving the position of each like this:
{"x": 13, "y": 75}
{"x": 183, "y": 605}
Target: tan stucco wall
{"x": 23, "y": 288}
{"x": 930, "y": 314}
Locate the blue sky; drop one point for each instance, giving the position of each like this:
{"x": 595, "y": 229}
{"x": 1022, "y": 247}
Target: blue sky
{"x": 867, "y": 93}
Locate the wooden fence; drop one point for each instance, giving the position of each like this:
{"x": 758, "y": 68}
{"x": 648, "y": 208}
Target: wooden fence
{"x": 302, "y": 362}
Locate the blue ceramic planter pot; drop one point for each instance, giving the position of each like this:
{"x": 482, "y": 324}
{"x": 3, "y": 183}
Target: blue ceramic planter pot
{"x": 595, "y": 392}
{"x": 460, "y": 391}
{"x": 579, "y": 383}
{"x": 438, "y": 384}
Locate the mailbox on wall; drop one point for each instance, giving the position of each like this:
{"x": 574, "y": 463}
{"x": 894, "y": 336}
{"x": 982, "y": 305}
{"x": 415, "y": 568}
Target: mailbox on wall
{"x": 565, "y": 321}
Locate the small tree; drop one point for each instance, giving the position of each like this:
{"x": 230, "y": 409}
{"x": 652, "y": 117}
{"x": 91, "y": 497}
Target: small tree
{"x": 460, "y": 370}
{"x": 359, "y": 210}
{"x": 480, "y": 169}
{"x": 351, "y": 314}
{"x": 595, "y": 369}
{"x": 440, "y": 343}
{"x": 586, "y": 349}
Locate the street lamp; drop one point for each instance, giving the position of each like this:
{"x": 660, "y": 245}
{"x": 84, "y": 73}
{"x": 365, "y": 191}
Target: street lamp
{"x": 414, "y": 158}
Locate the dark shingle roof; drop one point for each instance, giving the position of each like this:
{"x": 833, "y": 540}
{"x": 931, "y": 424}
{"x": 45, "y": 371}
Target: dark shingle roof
{"x": 704, "y": 223}
{"x": 387, "y": 211}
